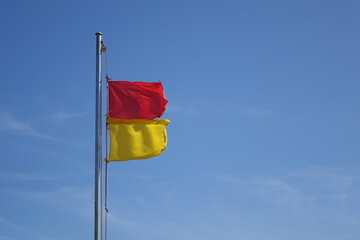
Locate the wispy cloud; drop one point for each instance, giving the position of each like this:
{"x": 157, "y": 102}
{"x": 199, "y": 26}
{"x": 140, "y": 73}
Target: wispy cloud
{"x": 9, "y": 123}
{"x": 41, "y": 97}
{"x": 331, "y": 174}
{"x": 5, "y": 238}
{"x": 76, "y": 201}
{"x": 60, "y": 117}
{"x": 333, "y": 185}
{"x": 273, "y": 189}
{"x": 158, "y": 228}
{"x": 17, "y": 228}
{"x": 71, "y": 199}
{"x": 313, "y": 190}
{"x": 26, "y": 177}
{"x": 172, "y": 108}
{"x": 133, "y": 175}
{"x": 254, "y": 112}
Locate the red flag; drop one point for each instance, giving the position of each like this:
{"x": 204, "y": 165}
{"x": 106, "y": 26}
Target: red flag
{"x": 136, "y": 100}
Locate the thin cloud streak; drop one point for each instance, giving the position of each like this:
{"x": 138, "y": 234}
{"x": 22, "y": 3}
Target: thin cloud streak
{"x": 274, "y": 189}
{"x": 159, "y": 228}
{"x": 61, "y": 117}
{"x": 9, "y": 123}
{"x": 330, "y": 193}
{"x": 19, "y": 228}
{"x": 26, "y": 177}
{"x": 5, "y": 238}
{"x": 255, "y": 112}
{"x": 334, "y": 175}
{"x": 172, "y": 108}
{"x": 71, "y": 199}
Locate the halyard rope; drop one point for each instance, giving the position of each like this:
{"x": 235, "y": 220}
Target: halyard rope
{"x": 104, "y": 49}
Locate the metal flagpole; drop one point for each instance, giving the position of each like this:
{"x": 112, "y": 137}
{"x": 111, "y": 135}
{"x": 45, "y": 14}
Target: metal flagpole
{"x": 98, "y": 139}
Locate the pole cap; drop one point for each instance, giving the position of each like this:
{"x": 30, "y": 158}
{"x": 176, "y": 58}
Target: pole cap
{"x": 98, "y": 33}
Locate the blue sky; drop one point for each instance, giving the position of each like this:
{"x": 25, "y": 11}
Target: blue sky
{"x": 263, "y": 99}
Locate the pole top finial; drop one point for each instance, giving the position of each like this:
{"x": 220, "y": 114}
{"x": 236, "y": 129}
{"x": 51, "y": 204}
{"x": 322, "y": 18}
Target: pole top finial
{"x": 98, "y": 33}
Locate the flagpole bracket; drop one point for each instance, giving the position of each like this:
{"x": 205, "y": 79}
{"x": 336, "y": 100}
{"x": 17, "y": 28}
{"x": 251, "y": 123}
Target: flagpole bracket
{"x": 103, "y": 47}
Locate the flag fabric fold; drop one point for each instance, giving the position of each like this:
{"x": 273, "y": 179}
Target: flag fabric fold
{"x": 132, "y": 139}
{"x": 136, "y": 100}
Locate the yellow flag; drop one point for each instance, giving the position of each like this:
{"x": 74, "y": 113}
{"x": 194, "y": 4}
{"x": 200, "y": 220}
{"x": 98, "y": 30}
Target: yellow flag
{"x": 132, "y": 139}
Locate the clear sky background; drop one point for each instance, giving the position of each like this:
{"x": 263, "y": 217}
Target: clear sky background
{"x": 264, "y": 103}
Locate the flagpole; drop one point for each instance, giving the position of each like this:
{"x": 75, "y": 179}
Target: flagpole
{"x": 98, "y": 139}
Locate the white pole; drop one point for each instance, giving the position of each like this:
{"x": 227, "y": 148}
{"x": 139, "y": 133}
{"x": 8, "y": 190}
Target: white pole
{"x": 98, "y": 139}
